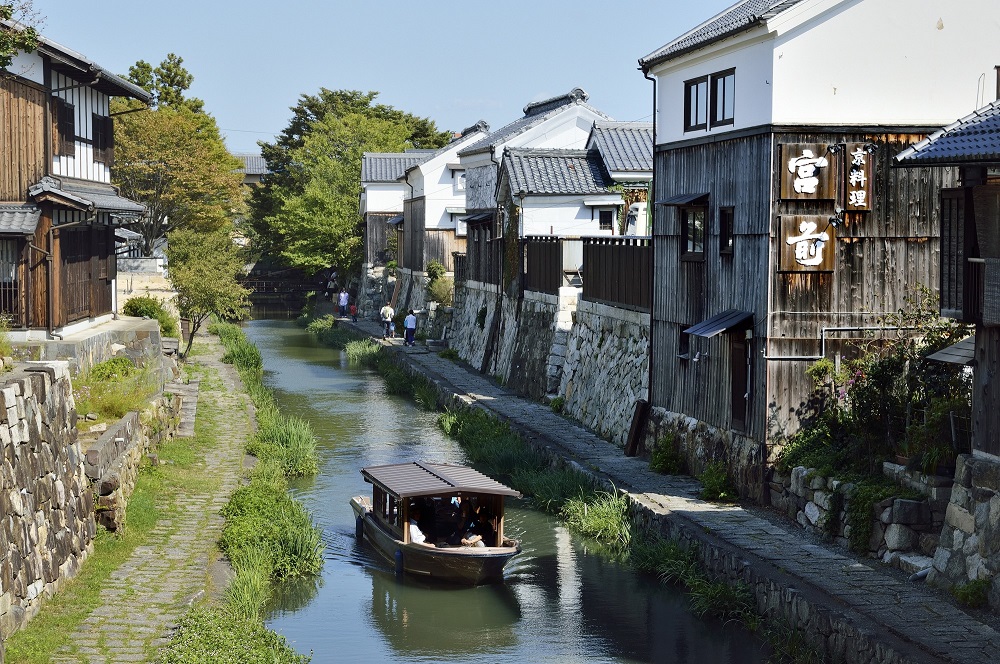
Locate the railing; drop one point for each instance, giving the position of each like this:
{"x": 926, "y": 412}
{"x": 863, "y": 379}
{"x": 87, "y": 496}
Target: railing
{"x": 616, "y": 271}
{"x": 543, "y": 264}
{"x": 10, "y": 308}
{"x": 461, "y": 262}
{"x": 975, "y": 290}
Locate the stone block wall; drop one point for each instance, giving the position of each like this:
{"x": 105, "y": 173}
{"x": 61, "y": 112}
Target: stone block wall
{"x": 904, "y": 531}
{"x": 525, "y": 342}
{"x": 468, "y": 337}
{"x": 605, "y": 368}
{"x": 374, "y": 291}
{"x": 139, "y": 340}
{"x": 47, "y": 522}
{"x": 969, "y": 548}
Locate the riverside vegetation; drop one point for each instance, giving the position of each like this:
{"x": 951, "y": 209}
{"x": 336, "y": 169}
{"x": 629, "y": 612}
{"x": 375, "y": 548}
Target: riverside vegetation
{"x": 268, "y": 535}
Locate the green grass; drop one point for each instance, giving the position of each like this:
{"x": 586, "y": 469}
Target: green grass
{"x": 222, "y": 637}
{"x": 327, "y": 329}
{"x": 363, "y": 351}
{"x": 113, "y": 388}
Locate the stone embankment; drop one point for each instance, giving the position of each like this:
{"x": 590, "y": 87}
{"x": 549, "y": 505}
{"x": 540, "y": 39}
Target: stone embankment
{"x": 851, "y": 609}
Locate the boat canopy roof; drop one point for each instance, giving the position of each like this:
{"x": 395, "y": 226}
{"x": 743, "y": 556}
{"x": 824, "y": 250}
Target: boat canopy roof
{"x": 422, "y": 478}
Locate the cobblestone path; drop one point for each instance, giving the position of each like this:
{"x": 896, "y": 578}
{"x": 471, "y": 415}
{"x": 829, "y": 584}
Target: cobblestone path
{"x": 149, "y": 593}
{"x": 906, "y": 617}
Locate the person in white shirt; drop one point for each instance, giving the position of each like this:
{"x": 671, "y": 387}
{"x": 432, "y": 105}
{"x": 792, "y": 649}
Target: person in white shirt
{"x": 386, "y": 314}
{"x": 410, "y": 326}
{"x": 416, "y": 535}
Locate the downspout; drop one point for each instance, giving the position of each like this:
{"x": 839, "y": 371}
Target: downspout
{"x": 651, "y": 221}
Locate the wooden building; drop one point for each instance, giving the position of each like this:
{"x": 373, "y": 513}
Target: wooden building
{"x": 780, "y": 230}
{"x": 58, "y": 209}
{"x": 970, "y": 255}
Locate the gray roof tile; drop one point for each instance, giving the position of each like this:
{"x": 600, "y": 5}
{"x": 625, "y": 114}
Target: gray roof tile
{"x": 390, "y": 166}
{"x": 741, "y": 16}
{"x": 18, "y": 219}
{"x": 556, "y": 172}
{"x": 253, "y": 164}
{"x": 534, "y": 114}
{"x": 96, "y": 196}
{"x": 624, "y": 146}
{"x": 973, "y": 139}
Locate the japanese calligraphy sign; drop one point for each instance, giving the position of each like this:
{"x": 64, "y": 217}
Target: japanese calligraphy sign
{"x": 859, "y": 178}
{"x": 807, "y": 243}
{"x": 808, "y": 172}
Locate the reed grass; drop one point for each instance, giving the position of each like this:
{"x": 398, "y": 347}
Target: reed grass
{"x": 363, "y": 351}
{"x": 249, "y": 591}
{"x": 111, "y": 391}
{"x": 425, "y": 394}
{"x": 606, "y": 516}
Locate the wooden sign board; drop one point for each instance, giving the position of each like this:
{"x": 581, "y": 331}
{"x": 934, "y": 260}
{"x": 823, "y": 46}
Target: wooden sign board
{"x": 808, "y": 172}
{"x": 807, "y": 244}
{"x": 858, "y": 183}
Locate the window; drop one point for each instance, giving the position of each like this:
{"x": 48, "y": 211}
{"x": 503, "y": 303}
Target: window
{"x": 726, "y": 218}
{"x": 696, "y": 104}
{"x": 693, "y": 232}
{"x": 65, "y": 118}
{"x": 104, "y": 139}
{"x": 723, "y": 97}
{"x": 606, "y": 219}
{"x": 684, "y": 345}
{"x": 739, "y": 377}
{"x": 459, "y": 177}
{"x": 710, "y": 100}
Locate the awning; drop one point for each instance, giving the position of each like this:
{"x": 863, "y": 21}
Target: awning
{"x": 395, "y": 221}
{"x": 126, "y": 235}
{"x": 478, "y": 217}
{"x": 19, "y": 219}
{"x": 719, "y": 323}
{"x": 421, "y": 478}
{"x": 455, "y": 210}
{"x": 603, "y": 201}
{"x": 964, "y": 352}
{"x": 84, "y": 195}
{"x": 685, "y": 199}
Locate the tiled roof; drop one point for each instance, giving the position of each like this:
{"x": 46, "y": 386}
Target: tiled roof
{"x": 534, "y": 114}
{"x": 253, "y": 164}
{"x": 18, "y": 219}
{"x": 556, "y": 172}
{"x": 390, "y": 166}
{"x": 741, "y": 16}
{"x": 973, "y": 139}
{"x": 624, "y": 146}
{"x": 84, "y": 194}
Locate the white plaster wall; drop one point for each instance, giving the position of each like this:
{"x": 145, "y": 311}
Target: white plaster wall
{"x": 29, "y": 66}
{"x": 751, "y": 56}
{"x": 86, "y": 101}
{"x": 384, "y": 197}
{"x": 560, "y": 215}
{"x": 918, "y": 62}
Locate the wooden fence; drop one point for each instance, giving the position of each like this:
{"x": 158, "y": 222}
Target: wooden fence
{"x": 543, "y": 264}
{"x": 616, "y": 271}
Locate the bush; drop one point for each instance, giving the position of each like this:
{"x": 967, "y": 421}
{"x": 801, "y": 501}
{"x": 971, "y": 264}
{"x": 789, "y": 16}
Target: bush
{"x": 442, "y": 291}
{"x": 664, "y": 458}
{"x": 715, "y": 484}
{"x": 435, "y": 271}
{"x": 449, "y": 354}
{"x": 364, "y": 351}
{"x": 556, "y": 404}
{"x": 114, "y": 369}
{"x": 974, "y": 594}
{"x": 425, "y": 394}
{"x": 115, "y": 387}
{"x": 481, "y": 317}
{"x": 6, "y": 347}
{"x": 145, "y": 306}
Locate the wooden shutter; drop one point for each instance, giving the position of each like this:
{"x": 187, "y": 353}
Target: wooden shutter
{"x": 104, "y": 138}
{"x": 740, "y": 380}
{"x": 65, "y": 143}
{"x": 109, "y": 140}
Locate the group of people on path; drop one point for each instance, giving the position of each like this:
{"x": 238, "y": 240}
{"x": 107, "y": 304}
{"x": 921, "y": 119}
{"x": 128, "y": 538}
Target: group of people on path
{"x": 387, "y": 313}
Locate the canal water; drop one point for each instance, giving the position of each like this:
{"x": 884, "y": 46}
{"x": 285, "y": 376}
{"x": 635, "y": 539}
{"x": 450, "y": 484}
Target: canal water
{"x": 560, "y": 602}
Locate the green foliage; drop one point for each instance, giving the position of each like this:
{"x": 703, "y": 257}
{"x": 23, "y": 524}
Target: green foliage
{"x": 449, "y": 354}
{"x": 606, "y": 517}
{"x": 6, "y": 347}
{"x": 167, "y": 82}
{"x": 390, "y": 266}
{"x": 222, "y": 637}
{"x": 114, "y": 369}
{"x": 262, "y": 516}
{"x": 442, "y": 291}
{"x": 204, "y": 270}
{"x": 860, "y": 510}
{"x": 250, "y": 588}
{"x": 244, "y": 355}
{"x": 23, "y": 37}
{"x": 974, "y": 594}
{"x": 327, "y": 329}
{"x": 481, "y": 317}
{"x": 664, "y": 458}
{"x": 425, "y": 394}
{"x": 557, "y": 403}
{"x": 145, "y": 306}
{"x": 715, "y": 485}
{"x": 435, "y": 270}
{"x": 363, "y": 351}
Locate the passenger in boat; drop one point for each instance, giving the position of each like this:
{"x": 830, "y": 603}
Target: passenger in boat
{"x": 463, "y": 525}
{"x": 416, "y": 535}
{"x": 483, "y": 528}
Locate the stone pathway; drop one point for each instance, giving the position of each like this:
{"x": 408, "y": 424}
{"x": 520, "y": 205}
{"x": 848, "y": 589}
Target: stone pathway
{"x": 146, "y": 597}
{"x": 905, "y": 617}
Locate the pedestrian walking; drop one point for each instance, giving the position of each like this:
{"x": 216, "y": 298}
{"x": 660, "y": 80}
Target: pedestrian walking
{"x": 344, "y": 299}
{"x": 410, "y": 327}
{"x": 354, "y": 312}
{"x": 328, "y": 291}
{"x": 386, "y": 313}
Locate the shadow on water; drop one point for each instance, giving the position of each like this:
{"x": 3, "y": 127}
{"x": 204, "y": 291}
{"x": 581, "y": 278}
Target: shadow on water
{"x": 560, "y": 601}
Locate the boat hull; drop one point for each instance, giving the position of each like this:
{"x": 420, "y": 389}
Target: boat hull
{"x": 466, "y": 565}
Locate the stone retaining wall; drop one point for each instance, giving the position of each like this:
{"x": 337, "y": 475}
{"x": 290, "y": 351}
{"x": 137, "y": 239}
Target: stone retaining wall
{"x": 969, "y": 548}
{"x": 606, "y": 368}
{"x": 46, "y": 505}
{"x": 472, "y": 320}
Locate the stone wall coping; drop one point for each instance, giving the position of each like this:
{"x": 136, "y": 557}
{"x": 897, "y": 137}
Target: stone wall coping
{"x": 544, "y": 298}
{"x": 56, "y": 369}
{"x": 103, "y": 453}
{"x": 626, "y": 315}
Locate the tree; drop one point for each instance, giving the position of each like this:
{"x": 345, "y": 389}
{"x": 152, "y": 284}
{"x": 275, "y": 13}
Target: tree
{"x": 22, "y": 36}
{"x": 291, "y": 163}
{"x": 172, "y": 158}
{"x": 204, "y": 270}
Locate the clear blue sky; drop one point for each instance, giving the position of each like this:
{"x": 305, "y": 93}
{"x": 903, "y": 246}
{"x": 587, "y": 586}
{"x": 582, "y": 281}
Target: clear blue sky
{"x": 453, "y": 62}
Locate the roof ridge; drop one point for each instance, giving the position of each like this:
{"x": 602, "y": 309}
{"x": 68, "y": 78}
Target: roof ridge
{"x": 573, "y": 96}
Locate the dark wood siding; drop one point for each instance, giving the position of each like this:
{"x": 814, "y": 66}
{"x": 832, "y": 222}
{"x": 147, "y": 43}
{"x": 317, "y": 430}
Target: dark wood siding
{"x": 411, "y": 251}
{"x": 985, "y": 414}
{"x": 377, "y": 237}
{"x": 439, "y": 245}
{"x": 22, "y": 137}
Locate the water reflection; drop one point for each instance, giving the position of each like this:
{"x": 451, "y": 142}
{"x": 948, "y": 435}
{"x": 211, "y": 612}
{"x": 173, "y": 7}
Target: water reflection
{"x": 561, "y": 601}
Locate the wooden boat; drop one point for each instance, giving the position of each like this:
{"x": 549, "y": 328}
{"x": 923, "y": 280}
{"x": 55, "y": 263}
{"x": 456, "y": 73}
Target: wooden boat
{"x": 434, "y": 493}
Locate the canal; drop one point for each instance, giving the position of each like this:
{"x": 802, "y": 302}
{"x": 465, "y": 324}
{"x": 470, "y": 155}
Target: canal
{"x": 561, "y": 602}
